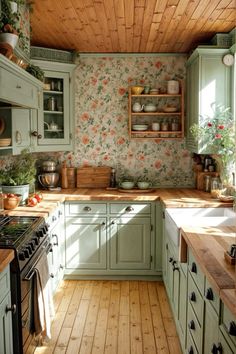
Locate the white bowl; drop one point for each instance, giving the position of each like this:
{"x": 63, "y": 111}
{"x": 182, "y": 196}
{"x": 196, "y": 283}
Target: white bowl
{"x": 143, "y": 185}
{"x": 127, "y": 185}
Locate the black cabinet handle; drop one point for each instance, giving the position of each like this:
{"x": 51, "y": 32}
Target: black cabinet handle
{"x": 56, "y": 237}
{"x": 232, "y": 329}
{"x": 214, "y": 349}
{"x": 11, "y": 308}
{"x": 51, "y": 275}
{"x": 192, "y": 296}
{"x": 194, "y": 268}
{"x": 87, "y": 208}
{"x": 190, "y": 350}
{"x": 174, "y": 266}
{"x": 209, "y": 294}
{"x": 191, "y": 325}
{"x": 129, "y": 209}
{"x": 171, "y": 260}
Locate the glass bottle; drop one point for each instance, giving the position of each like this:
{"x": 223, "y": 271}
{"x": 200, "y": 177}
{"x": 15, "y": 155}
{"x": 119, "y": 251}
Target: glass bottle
{"x": 113, "y": 178}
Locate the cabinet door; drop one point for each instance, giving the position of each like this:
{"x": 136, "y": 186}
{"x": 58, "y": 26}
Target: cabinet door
{"x": 54, "y": 257}
{"x": 130, "y": 243}
{"x": 211, "y": 332}
{"x": 86, "y": 243}
{"x": 182, "y": 306}
{"x": 20, "y": 129}
{"x": 5, "y": 326}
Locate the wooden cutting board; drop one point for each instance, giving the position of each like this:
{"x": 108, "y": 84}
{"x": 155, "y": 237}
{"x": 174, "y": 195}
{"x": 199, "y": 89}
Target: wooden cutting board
{"x": 93, "y": 177}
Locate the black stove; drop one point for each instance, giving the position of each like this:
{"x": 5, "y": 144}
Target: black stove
{"x": 28, "y": 237}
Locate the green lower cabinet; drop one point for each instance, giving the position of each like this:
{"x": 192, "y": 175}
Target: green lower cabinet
{"x": 6, "y": 344}
{"x": 210, "y": 333}
{"x": 130, "y": 243}
{"x": 86, "y": 243}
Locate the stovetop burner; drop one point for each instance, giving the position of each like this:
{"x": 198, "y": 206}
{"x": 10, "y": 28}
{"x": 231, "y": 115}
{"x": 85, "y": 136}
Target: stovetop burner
{"x": 14, "y": 228}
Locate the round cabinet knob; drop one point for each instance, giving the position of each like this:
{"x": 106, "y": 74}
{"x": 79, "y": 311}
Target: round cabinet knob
{"x": 194, "y": 268}
{"x": 192, "y": 296}
{"x": 129, "y": 209}
{"x": 191, "y": 325}
{"x": 209, "y": 294}
{"x": 11, "y": 308}
{"x": 232, "y": 329}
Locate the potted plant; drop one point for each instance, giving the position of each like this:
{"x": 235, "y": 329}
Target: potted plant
{"x": 10, "y": 30}
{"x": 36, "y": 71}
{"x": 19, "y": 175}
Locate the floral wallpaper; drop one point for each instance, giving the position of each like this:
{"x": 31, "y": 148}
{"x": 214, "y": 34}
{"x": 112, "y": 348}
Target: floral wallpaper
{"x": 101, "y": 120}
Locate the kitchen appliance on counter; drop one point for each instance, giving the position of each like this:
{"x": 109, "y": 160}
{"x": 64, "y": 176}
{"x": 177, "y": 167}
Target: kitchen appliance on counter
{"x": 28, "y": 237}
{"x": 49, "y": 178}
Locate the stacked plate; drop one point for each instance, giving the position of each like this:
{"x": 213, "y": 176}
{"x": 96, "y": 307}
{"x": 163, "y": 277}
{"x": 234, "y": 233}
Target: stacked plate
{"x": 140, "y": 127}
{"x": 5, "y": 142}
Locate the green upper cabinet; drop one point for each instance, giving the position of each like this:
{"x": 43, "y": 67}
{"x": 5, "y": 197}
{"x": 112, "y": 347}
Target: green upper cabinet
{"x": 53, "y": 124}
{"x": 208, "y": 82}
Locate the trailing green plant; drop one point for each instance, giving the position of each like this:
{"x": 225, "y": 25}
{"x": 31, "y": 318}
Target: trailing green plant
{"x": 36, "y": 71}
{"x": 19, "y": 172}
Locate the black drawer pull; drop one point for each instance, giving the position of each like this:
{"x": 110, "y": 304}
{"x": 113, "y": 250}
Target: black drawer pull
{"x": 52, "y": 275}
{"x": 232, "y": 329}
{"x": 194, "y": 268}
{"x": 171, "y": 260}
{"x": 174, "y": 266}
{"x": 191, "y": 325}
{"x": 214, "y": 349}
{"x": 192, "y": 296}
{"x": 18, "y": 86}
{"x": 129, "y": 209}
{"x": 190, "y": 350}
{"x": 209, "y": 294}
{"x": 87, "y": 208}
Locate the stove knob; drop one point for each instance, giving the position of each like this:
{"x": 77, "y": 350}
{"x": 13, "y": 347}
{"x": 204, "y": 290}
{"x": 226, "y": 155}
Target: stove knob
{"x": 40, "y": 233}
{"x": 28, "y": 247}
{"x": 21, "y": 256}
{"x": 32, "y": 245}
{"x": 35, "y": 240}
{"x": 26, "y": 253}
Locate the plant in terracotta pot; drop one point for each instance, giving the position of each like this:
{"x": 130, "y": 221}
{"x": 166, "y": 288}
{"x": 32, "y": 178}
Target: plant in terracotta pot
{"x": 10, "y": 30}
{"x": 19, "y": 175}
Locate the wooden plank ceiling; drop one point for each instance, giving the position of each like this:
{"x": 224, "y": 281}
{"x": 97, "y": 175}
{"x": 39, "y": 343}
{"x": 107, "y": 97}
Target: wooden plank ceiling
{"x": 129, "y": 25}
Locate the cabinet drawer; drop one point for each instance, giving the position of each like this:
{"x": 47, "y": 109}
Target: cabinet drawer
{"x": 129, "y": 208}
{"x": 15, "y": 89}
{"x": 4, "y": 283}
{"x": 195, "y": 299}
{"x": 85, "y": 209}
{"x": 226, "y": 349}
{"x": 194, "y": 329}
{"x": 191, "y": 348}
{"x": 229, "y": 325}
{"x": 196, "y": 272}
{"x": 212, "y": 297}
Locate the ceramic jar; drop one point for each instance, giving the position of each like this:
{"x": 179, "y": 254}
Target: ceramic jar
{"x": 173, "y": 87}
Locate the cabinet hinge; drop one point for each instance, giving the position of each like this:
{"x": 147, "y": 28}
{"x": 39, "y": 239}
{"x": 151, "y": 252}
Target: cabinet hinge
{"x": 163, "y": 215}
{"x": 151, "y": 258}
{"x": 151, "y": 227}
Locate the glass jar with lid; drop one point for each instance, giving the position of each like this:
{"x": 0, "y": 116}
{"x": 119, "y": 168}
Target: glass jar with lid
{"x": 216, "y": 187}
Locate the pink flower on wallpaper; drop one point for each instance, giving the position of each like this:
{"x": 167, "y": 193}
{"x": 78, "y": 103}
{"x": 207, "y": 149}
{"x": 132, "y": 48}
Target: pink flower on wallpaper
{"x": 85, "y": 116}
{"x": 141, "y": 157}
{"x": 112, "y": 132}
{"x": 106, "y": 158}
{"x": 119, "y": 118}
{"x": 98, "y": 148}
{"x": 130, "y": 80}
{"x": 122, "y": 91}
{"x": 141, "y": 81}
{"x": 158, "y": 164}
{"x": 85, "y": 139}
{"x": 167, "y": 152}
{"x": 94, "y": 129}
{"x": 94, "y": 81}
{"x": 120, "y": 141}
{"x": 158, "y": 64}
{"x": 105, "y": 82}
{"x": 104, "y": 135}
{"x": 94, "y": 104}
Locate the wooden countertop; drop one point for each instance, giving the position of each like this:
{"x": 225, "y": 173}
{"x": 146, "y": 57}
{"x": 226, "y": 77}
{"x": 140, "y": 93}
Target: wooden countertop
{"x": 208, "y": 245}
{"x": 6, "y": 256}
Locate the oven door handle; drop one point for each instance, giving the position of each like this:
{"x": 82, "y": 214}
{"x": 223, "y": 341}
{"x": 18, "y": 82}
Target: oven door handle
{"x": 29, "y": 275}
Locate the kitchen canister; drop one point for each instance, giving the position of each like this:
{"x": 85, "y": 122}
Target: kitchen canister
{"x": 155, "y": 126}
{"x": 173, "y": 87}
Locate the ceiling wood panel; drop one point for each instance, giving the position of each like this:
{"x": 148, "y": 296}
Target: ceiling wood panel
{"x": 129, "y": 25}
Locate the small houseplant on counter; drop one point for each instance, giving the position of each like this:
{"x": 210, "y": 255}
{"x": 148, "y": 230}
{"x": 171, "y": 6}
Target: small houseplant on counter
{"x": 218, "y": 132}
{"x": 17, "y": 177}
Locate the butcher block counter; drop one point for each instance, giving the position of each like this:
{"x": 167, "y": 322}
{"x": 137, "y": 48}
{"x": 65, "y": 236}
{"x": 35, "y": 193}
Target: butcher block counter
{"x": 208, "y": 245}
{"x": 6, "y": 256}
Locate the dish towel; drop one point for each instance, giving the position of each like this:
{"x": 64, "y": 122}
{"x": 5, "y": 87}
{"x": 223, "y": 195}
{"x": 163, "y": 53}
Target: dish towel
{"x": 43, "y": 308}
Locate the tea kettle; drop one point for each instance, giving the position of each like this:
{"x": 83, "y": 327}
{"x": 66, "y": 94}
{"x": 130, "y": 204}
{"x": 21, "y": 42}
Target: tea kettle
{"x": 137, "y": 107}
{"x": 51, "y": 126}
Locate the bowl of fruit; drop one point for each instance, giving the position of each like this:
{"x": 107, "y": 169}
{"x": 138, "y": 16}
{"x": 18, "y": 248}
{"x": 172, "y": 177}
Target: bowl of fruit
{"x": 11, "y": 200}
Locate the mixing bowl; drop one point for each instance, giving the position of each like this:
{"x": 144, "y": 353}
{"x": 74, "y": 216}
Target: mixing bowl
{"x": 49, "y": 180}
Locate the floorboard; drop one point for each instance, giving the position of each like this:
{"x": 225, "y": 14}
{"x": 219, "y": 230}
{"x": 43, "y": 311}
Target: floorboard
{"x": 112, "y": 317}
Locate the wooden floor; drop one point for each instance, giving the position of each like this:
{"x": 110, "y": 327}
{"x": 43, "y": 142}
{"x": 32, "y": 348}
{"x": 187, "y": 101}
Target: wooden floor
{"x": 123, "y": 317}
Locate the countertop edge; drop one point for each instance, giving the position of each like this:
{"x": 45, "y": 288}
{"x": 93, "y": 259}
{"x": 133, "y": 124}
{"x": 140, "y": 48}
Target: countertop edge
{"x": 6, "y": 256}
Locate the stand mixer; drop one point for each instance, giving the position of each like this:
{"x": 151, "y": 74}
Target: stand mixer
{"x": 48, "y": 178}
